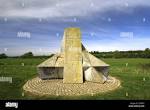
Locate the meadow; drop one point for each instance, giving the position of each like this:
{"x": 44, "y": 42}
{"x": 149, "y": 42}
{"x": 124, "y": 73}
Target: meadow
{"x": 134, "y": 74}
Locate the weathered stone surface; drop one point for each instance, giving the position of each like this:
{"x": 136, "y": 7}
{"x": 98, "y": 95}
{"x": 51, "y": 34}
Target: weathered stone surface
{"x": 91, "y": 74}
{"x": 50, "y": 72}
{"x": 73, "y": 72}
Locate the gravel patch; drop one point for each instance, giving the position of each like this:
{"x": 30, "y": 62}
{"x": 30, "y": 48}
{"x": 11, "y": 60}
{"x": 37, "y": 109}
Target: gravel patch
{"x": 56, "y": 87}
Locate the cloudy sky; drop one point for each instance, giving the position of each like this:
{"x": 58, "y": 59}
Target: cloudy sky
{"x": 106, "y": 25}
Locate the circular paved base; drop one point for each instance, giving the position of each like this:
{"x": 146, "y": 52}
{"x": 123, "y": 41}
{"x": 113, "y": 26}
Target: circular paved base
{"x": 56, "y": 87}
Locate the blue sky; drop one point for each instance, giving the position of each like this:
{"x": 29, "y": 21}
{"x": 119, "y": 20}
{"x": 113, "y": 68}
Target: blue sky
{"x": 106, "y": 25}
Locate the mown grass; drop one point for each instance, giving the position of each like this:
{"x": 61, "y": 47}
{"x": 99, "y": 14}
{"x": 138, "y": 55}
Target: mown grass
{"x": 134, "y": 75}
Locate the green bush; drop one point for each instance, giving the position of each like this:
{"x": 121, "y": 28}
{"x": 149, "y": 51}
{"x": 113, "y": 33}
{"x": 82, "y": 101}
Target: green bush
{"x": 3, "y": 55}
{"x": 27, "y": 55}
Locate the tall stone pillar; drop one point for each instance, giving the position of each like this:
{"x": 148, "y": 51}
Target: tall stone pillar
{"x": 73, "y": 72}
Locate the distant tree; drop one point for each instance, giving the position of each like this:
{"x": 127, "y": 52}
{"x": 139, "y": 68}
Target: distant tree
{"x": 27, "y": 55}
{"x": 147, "y": 53}
{"x": 3, "y": 55}
{"x": 147, "y": 49}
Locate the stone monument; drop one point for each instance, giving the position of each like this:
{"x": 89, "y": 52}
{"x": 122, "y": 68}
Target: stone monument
{"x": 74, "y": 64}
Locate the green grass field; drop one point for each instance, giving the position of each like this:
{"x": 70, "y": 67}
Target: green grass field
{"x": 135, "y": 79}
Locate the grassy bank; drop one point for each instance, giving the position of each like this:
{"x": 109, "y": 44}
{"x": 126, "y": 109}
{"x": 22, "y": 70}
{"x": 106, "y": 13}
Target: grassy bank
{"x": 134, "y": 74}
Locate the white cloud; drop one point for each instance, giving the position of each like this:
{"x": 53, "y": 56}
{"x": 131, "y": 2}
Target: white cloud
{"x": 122, "y": 44}
{"x": 63, "y": 8}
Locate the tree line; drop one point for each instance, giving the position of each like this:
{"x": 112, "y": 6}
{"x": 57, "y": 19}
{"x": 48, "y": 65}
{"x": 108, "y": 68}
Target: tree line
{"x": 25, "y": 55}
{"x": 123, "y": 54}
{"x": 112, "y": 54}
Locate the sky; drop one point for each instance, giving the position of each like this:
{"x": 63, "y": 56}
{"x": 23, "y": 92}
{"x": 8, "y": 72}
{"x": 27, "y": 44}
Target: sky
{"x": 106, "y": 25}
